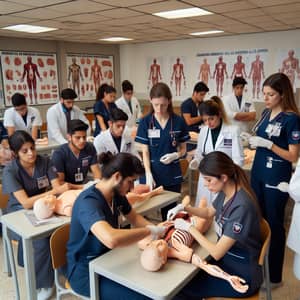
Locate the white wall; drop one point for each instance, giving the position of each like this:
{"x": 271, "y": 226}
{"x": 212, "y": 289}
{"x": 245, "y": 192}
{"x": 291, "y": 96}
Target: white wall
{"x": 133, "y": 58}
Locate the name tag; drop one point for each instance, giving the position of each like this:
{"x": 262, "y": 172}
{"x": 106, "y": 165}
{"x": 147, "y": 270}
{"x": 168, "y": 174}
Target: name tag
{"x": 227, "y": 142}
{"x": 247, "y": 107}
{"x": 85, "y": 162}
{"x": 153, "y": 133}
{"x": 42, "y": 182}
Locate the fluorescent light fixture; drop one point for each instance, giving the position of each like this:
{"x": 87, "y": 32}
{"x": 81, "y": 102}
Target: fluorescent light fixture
{"x": 206, "y": 32}
{"x": 29, "y": 28}
{"x": 116, "y": 39}
{"x": 183, "y": 13}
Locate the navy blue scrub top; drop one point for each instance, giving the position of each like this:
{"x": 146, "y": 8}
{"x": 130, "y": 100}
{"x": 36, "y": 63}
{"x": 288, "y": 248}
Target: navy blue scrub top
{"x": 89, "y": 208}
{"x": 15, "y": 178}
{"x": 189, "y": 107}
{"x": 65, "y": 161}
{"x": 286, "y": 132}
{"x": 3, "y": 132}
{"x": 174, "y": 131}
{"x": 238, "y": 219}
{"x": 100, "y": 109}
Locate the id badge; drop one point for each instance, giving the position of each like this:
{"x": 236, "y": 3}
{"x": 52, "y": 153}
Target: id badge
{"x": 277, "y": 129}
{"x": 42, "y": 182}
{"x": 78, "y": 176}
{"x": 85, "y": 162}
{"x": 218, "y": 228}
{"x": 227, "y": 142}
{"x": 269, "y": 163}
{"x": 247, "y": 107}
{"x": 269, "y": 128}
{"x": 153, "y": 133}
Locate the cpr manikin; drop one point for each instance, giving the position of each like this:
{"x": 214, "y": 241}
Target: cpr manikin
{"x": 176, "y": 244}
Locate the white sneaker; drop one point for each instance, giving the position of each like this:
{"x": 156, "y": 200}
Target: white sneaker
{"x": 44, "y": 293}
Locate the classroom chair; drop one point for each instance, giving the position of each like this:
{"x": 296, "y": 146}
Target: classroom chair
{"x": 263, "y": 261}
{"x": 58, "y": 249}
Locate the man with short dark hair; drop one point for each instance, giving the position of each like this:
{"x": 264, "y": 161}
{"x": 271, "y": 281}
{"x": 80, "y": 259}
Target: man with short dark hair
{"x": 239, "y": 110}
{"x": 190, "y": 107}
{"x": 59, "y": 116}
{"x": 73, "y": 160}
{"x": 22, "y": 117}
{"x": 129, "y": 104}
{"x": 114, "y": 138}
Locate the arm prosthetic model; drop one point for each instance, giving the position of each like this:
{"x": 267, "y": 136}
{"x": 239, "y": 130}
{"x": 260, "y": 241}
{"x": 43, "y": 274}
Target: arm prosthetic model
{"x": 142, "y": 193}
{"x": 176, "y": 244}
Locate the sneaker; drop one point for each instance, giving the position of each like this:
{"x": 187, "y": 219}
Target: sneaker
{"x": 273, "y": 285}
{"x": 44, "y": 293}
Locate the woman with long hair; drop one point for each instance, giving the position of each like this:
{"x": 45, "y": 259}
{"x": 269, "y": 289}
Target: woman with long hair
{"x": 277, "y": 147}
{"x": 237, "y": 225}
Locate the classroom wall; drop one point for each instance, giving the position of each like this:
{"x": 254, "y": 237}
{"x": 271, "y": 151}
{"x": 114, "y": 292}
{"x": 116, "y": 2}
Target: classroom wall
{"x": 61, "y": 49}
{"x": 134, "y": 57}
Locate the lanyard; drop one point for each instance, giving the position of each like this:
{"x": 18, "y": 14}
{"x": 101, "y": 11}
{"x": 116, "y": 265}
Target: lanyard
{"x": 205, "y": 141}
{"x": 226, "y": 207}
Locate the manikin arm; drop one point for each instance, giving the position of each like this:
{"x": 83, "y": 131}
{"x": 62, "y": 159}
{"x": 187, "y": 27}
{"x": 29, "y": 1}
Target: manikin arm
{"x": 134, "y": 197}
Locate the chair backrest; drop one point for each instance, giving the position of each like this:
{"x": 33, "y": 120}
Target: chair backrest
{"x": 58, "y": 246}
{"x": 184, "y": 164}
{"x": 266, "y": 237}
{"x": 3, "y": 198}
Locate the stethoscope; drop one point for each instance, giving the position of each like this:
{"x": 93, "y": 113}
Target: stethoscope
{"x": 173, "y": 136}
{"x": 205, "y": 141}
{"x": 226, "y": 207}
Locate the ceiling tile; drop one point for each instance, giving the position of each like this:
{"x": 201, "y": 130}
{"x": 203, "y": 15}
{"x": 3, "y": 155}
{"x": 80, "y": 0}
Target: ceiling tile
{"x": 136, "y": 20}
{"x": 264, "y": 3}
{"x": 245, "y": 13}
{"x": 82, "y": 18}
{"x": 229, "y": 7}
{"x": 208, "y": 2}
{"x": 119, "y": 13}
{"x": 39, "y": 3}
{"x": 42, "y": 14}
{"x": 9, "y": 7}
{"x": 282, "y": 8}
{"x": 12, "y": 20}
{"x": 127, "y": 3}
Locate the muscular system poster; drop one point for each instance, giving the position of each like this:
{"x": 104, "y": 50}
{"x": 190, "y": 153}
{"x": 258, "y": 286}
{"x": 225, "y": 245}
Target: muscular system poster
{"x": 217, "y": 70}
{"x": 87, "y": 72}
{"x": 32, "y": 74}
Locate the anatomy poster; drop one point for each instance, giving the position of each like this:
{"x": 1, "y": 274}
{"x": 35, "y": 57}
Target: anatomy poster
{"x": 217, "y": 70}
{"x": 288, "y": 63}
{"x": 87, "y": 72}
{"x": 177, "y": 77}
{"x": 32, "y": 74}
{"x": 155, "y": 71}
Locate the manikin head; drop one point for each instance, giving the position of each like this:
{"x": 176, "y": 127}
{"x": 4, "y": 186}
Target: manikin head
{"x": 43, "y": 208}
{"x": 155, "y": 255}
{"x": 291, "y": 53}
{"x": 117, "y": 122}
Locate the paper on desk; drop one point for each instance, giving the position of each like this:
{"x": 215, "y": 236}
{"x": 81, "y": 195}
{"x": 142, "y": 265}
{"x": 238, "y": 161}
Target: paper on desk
{"x": 37, "y": 222}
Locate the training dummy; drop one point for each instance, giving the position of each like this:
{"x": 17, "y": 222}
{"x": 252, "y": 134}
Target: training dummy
{"x": 176, "y": 244}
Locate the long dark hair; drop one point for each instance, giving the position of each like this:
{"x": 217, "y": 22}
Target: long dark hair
{"x": 217, "y": 163}
{"x": 125, "y": 163}
{"x": 281, "y": 84}
{"x": 161, "y": 89}
{"x": 104, "y": 89}
{"x": 18, "y": 139}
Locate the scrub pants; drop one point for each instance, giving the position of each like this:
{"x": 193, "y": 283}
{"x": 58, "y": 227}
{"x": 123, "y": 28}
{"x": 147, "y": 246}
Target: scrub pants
{"x": 108, "y": 289}
{"x": 172, "y": 188}
{"x": 272, "y": 203}
{"x": 204, "y": 285}
{"x": 42, "y": 260}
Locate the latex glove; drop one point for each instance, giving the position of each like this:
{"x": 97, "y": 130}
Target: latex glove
{"x": 150, "y": 181}
{"x": 283, "y": 187}
{"x": 182, "y": 225}
{"x": 257, "y": 141}
{"x": 194, "y": 164}
{"x": 174, "y": 211}
{"x": 169, "y": 157}
{"x": 245, "y": 136}
{"x": 156, "y": 231}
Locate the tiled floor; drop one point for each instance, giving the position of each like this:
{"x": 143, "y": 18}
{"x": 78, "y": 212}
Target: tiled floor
{"x": 289, "y": 291}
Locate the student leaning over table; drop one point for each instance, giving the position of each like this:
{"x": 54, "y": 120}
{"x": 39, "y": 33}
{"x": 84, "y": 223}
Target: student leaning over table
{"x": 237, "y": 225}
{"x": 95, "y": 224}
{"x": 26, "y": 179}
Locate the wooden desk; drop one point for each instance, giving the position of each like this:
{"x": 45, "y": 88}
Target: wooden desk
{"x": 123, "y": 266}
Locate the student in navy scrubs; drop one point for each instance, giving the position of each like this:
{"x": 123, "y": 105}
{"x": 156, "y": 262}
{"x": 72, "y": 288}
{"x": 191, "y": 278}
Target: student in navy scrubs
{"x": 277, "y": 141}
{"x": 73, "y": 160}
{"x": 26, "y": 179}
{"x": 105, "y": 102}
{"x": 95, "y": 227}
{"x": 237, "y": 225}
{"x": 163, "y": 135}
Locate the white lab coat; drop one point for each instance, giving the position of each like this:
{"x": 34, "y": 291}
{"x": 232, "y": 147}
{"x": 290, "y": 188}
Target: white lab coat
{"x": 13, "y": 119}
{"x": 293, "y": 240}
{"x": 136, "y": 110}
{"x": 104, "y": 142}
{"x": 232, "y": 108}
{"x": 57, "y": 122}
{"x": 205, "y": 146}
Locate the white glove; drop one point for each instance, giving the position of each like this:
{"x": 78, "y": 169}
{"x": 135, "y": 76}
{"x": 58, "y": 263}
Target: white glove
{"x": 182, "y": 225}
{"x": 245, "y": 136}
{"x": 194, "y": 164}
{"x": 156, "y": 231}
{"x": 174, "y": 211}
{"x": 169, "y": 157}
{"x": 257, "y": 141}
{"x": 283, "y": 187}
{"x": 150, "y": 181}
